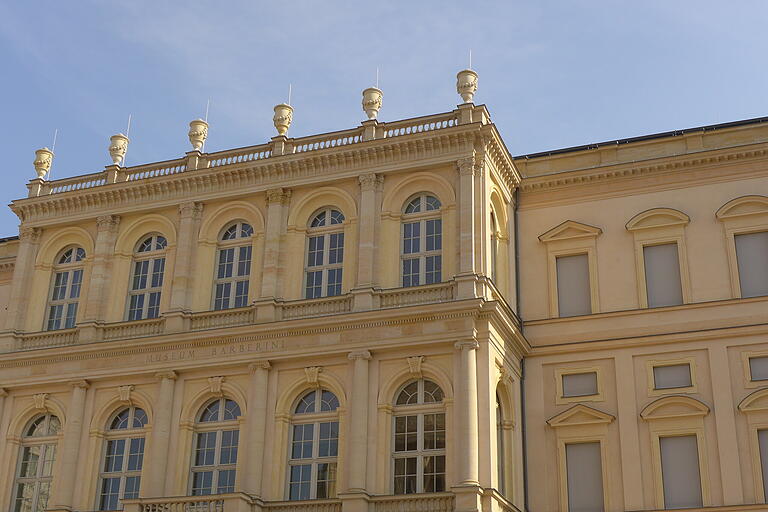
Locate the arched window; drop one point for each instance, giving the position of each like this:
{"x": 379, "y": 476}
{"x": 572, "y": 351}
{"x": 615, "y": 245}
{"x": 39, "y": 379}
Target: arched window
{"x": 233, "y": 267}
{"x": 419, "y": 451}
{"x": 123, "y": 458}
{"x": 422, "y": 236}
{"x": 217, "y": 435}
{"x": 65, "y": 289}
{"x": 325, "y": 254}
{"x": 500, "y": 458}
{"x": 147, "y": 278}
{"x": 494, "y": 249}
{"x": 35, "y": 469}
{"x": 314, "y": 446}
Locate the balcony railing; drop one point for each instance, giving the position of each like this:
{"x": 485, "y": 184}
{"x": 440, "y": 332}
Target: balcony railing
{"x": 303, "y": 506}
{"x": 233, "y": 502}
{"x": 442, "y": 502}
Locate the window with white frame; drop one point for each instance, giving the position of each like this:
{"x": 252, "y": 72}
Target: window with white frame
{"x": 123, "y": 458}
{"x": 314, "y": 446}
{"x": 34, "y": 471}
{"x": 65, "y": 289}
{"x": 419, "y": 439}
{"x": 147, "y": 278}
{"x": 325, "y": 254}
{"x": 422, "y": 241}
{"x": 214, "y": 458}
{"x": 233, "y": 267}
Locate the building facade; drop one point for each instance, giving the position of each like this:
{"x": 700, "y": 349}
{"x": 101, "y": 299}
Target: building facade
{"x": 397, "y": 317}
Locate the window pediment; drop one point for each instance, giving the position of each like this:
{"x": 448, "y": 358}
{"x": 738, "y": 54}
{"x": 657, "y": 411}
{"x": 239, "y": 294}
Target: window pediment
{"x": 741, "y": 206}
{"x": 580, "y": 415}
{"x": 757, "y": 401}
{"x": 674, "y": 407}
{"x": 657, "y": 218}
{"x": 569, "y": 230}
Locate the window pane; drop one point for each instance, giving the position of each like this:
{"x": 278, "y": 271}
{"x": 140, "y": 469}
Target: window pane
{"x": 301, "y": 478}
{"x": 405, "y": 475}
{"x": 132, "y": 484}
{"x": 680, "y": 472}
{"x": 573, "y": 291}
{"x": 762, "y": 438}
{"x": 136, "y": 454}
{"x": 241, "y": 294}
{"x": 315, "y": 251}
{"x": 205, "y": 449}
{"x": 752, "y": 257}
{"x": 110, "y": 494}
{"x": 54, "y": 317}
{"x": 158, "y": 269}
{"x": 24, "y": 496}
{"x": 136, "y": 307}
{"x": 328, "y": 401}
{"x": 30, "y": 457}
{"x": 334, "y": 282}
{"x": 433, "y": 269}
{"x": 140, "y": 272}
{"x": 222, "y": 296}
{"x": 231, "y": 410}
{"x": 758, "y": 368}
{"x": 662, "y": 275}
{"x": 307, "y": 403}
{"x": 434, "y": 431}
{"x": 302, "y": 441}
{"x": 411, "y": 240}
{"x": 326, "y": 481}
{"x": 585, "y": 477}
{"x": 329, "y": 439}
{"x": 113, "y": 459}
{"x": 226, "y": 481}
{"x": 60, "y": 286}
{"x": 226, "y": 260}
{"x": 580, "y": 384}
{"x": 229, "y": 441}
{"x": 411, "y": 272}
{"x": 336, "y": 248}
{"x": 432, "y": 392}
{"x": 674, "y": 376}
{"x": 314, "y": 285}
{"x": 406, "y": 436}
{"x": 69, "y": 320}
{"x": 434, "y": 474}
{"x": 202, "y": 483}
{"x": 409, "y": 394}
{"x": 244, "y": 261}
{"x": 49, "y": 457}
{"x": 153, "y": 311}
{"x": 77, "y": 280}
{"x": 434, "y": 234}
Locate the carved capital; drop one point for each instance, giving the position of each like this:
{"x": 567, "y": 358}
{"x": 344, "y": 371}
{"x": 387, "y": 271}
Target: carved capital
{"x": 107, "y": 222}
{"x": 124, "y": 393}
{"x": 312, "y": 374}
{"x": 466, "y": 345}
{"x": 40, "y": 400}
{"x": 370, "y": 181}
{"x": 359, "y": 354}
{"x": 191, "y": 209}
{"x": 414, "y": 365}
{"x": 505, "y": 377}
{"x": 80, "y": 384}
{"x": 259, "y": 365}
{"x": 214, "y": 385}
{"x": 278, "y": 195}
{"x": 466, "y": 166}
{"x": 3, "y": 392}
{"x": 31, "y": 235}
{"x": 167, "y": 374}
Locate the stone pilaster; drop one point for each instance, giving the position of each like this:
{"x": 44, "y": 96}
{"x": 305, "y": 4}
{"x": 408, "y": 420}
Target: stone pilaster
{"x": 63, "y": 491}
{"x": 358, "y": 429}
{"x": 277, "y": 199}
{"x": 18, "y": 304}
{"x": 466, "y": 407}
{"x": 3, "y": 394}
{"x": 257, "y": 426}
{"x": 106, "y": 234}
{"x": 157, "y": 462}
{"x": 371, "y": 186}
{"x": 189, "y": 224}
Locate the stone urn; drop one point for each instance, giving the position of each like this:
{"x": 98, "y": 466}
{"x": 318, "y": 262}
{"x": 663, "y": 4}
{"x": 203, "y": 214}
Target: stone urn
{"x": 198, "y": 132}
{"x": 372, "y": 97}
{"x": 43, "y": 160}
{"x": 118, "y": 147}
{"x": 283, "y": 117}
{"x": 466, "y": 84}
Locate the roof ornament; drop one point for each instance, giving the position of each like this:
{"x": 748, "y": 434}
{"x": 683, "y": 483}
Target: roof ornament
{"x": 372, "y": 97}
{"x": 42, "y": 163}
{"x": 283, "y": 118}
{"x": 466, "y": 85}
{"x": 118, "y": 147}
{"x": 198, "y": 132}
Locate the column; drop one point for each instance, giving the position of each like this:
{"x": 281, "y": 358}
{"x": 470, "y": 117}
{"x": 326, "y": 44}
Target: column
{"x": 189, "y": 222}
{"x": 29, "y": 241}
{"x": 106, "y": 233}
{"x": 467, "y": 214}
{"x": 370, "y": 208}
{"x": 154, "y": 486}
{"x": 277, "y": 198}
{"x": 628, "y": 416}
{"x": 466, "y": 413}
{"x": 358, "y": 421}
{"x": 63, "y": 490}
{"x": 3, "y": 394}
{"x": 256, "y": 423}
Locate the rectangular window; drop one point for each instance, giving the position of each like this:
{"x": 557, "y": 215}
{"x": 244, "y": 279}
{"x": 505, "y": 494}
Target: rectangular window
{"x": 334, "y": 282}
{"x": 758, "y": 368}
{"x": 672, "y": 376}
{"x": 579, "y": 384}
{"x": 762, "y": 438}
{"x": 406, "y": 433}
{"x": 314, "y": 284}
{"x": 752, "y": 257}
{"x": 585, "y": 477}
{"x": 573, "y": 291}
{"x": 301, "y": 480}
{"x": 433, "y": 269}
{"x": 326, "y": 480}
{"x": 662, "y": 275}
{"x": 411, "y": 272}
{"x": 411, "y": 237}
{"x": 405, "y": 475}
{"x": 680, "y": 472}
{"x": 336, "y": 249}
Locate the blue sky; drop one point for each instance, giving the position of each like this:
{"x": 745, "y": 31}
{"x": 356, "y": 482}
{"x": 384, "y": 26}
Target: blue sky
{"x": 553, "y": 73}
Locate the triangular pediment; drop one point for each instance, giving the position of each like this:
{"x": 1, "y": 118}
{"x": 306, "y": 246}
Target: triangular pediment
{"x": 745, "y": 205}
{"x": 674, "y": 407}
{"x": 657, "y": 218}
{"x": 580, "y": 415}
{"x": 757, "y": 401}
{"x": 568, "y": 230}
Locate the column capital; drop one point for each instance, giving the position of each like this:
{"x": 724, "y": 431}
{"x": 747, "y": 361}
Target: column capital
{"x": 359, "y": 354}
{"x": 466, "y": 345}
{"x": 3, "y": 392}
{"x": 27, "y": 234}
{"x": 80, "y": 384}
{"x": 167, "y": 374}
{"x": 262, "y": 364}
{"x": 466, "y": 166}
{"x": 107, "y": 222}
{"x": 278, "y": 195}
{"x": 370, "y": 181}
{"x": 191, "y": 209}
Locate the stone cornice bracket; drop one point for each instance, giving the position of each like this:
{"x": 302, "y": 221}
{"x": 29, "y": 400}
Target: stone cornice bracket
{"x": 192, "y": 209}
{"x": 466, "y": 345}
{"x": 414, "y": 365}
{"x": 259, "y": 365}
{"x": 214, "y": 385}
{"x": 371, "y": 181}
{"x": 312, "y": 374}
{"x": 359, "y": 354}
{"x": 278, "y": 195}
{"x": 505, "y": 376}
{"x": 466, "y": 166}
{"x": 167, "y": 374}
{"x": 40, "y": 400}
{"x": 80, "y": 383}
{"x": 124, "y": 393}
{"x": 30, "y": 234}
{"x": 3, "y": 392}
{"x": 107, "y": 222}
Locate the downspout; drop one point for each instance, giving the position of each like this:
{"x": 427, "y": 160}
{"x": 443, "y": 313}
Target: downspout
{"x": 522, "y": 362}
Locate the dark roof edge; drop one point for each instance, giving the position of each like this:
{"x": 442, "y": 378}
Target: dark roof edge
{"x": 674, "y": 133}
{"x": 8, "y": 239}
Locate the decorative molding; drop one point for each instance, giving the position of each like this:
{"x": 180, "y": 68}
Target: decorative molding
{"x": 80, "y": 384}
{"x": 580, "y": 415}
{"x": 466, "y": 345}
{"x": 371, "y": 181}
{"x": 466, "y": 166}
{"x": 657, "y": 218}
{"x": 312, "y": 374}
{"x": 31, "y": 235}
{"x": 3, "y": 392}
{"x": 167, "y": 374}
{"x": 193, "y": 209}
{"x": 278, "y": 195}
{"x": 743, "y": 206}
{"x": 569, "y": 230}
{"x": 259, "y": 365}
{"x": 214, "y": 385}
{"x": 107, "y": 222}
{"x": 359, "y": 354}
{"x": 40, "y": 400}
{"x": 674, "y": 406}
{"x": 414, "y": 365}
{"x": 124, "y": 393}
